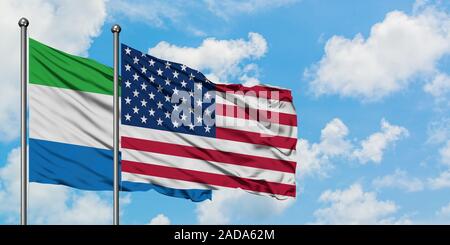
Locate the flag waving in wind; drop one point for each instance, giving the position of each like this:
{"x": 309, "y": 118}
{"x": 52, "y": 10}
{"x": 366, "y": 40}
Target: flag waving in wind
{"x": 180, "y": 130}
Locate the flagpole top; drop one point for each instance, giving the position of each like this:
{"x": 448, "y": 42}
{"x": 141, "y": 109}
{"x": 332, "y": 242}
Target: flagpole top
{"x": 116, "y": 28}
{"x": 24, "y": 22}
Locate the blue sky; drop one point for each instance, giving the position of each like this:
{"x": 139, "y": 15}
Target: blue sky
{"x": 370, "y": 82}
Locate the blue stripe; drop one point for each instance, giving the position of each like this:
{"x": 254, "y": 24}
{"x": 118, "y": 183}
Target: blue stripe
{"x": 88, "y": 168}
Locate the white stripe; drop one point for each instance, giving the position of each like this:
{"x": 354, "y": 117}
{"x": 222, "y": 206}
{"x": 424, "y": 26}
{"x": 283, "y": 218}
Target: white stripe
{"x": 185, "y": 185}
{"x": 255, "y": 102}
{"x": 266, "y": 128}
{"x": 70, "y": 116}
{"x": 208, "y": 166}
{"x": 208, "y": 143}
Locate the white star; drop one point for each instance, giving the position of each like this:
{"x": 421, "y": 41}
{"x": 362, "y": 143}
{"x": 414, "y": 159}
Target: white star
{"x": 128, "y": 117}
{"x": 167, "y": 64}
{"x": 143, "y": 103}
{"x": 152, "y": 95}
{"x": 152, "y": 62}
{"x": 184, "y": 100}
{"x": 127, "y": 100}
{"x": 191, "y": 111}
{"x": 135, "y": 76}
{"x": 159, "y": 121}
{"x": 207, "y": 111}
{"x": 199, "y": 119}
{"x": 160, "y": 105}
{"x": 191, "y": 126}
{"x": 127, "y": 67}
{"x": 207, "y": 95}
{"x": 191, "y": 77}
{"x": 152, "y": 112}
{"x": 183, "y": 84}
{"x": 152, "y": 79}
{"x": 207, "y": 129}
{"x": 199, "y": 102}
{"x": 144, "y": 86}
{"x": 127, "y": 84}
{"x": 183, "y": 117}
{"x": 135, "y": 60}
{"x": 175, "y": 107}
{"x": 167, "y": 81}
{"x": 167, "y": 97}
{"x": 135, "y": 110}
{"x": 175, "y": 124}
{"x": 143, "y": 119}
{"x": 175, "y": 74}
{"x": 142, "y": 55}
{"x": 167, "y": 114}
{"x": 191, "y": 93}
{"x": 183, "y": 67}
{"x": 143, "y": 70}
{"x": 135, "y": 93}
{"x": 160, "y": 88}
{"x": 175, "y": 91}
{"x": 199, "y": 86}
{"x": 128, "y": 50}
{"x": 159, "y": 71}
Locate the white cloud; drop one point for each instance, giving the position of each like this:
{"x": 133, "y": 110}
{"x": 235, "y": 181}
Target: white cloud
{"x": 314, "y": 159}
{"x": 311, "y": 160}
{"x": 373, "y": 147}
{"x": 441, "y": 181}
{"x": 397, "y": 49}
{"x": 235, "y": 206}
{"x": 229, "y": 8}
{"x": 444, "y": 211}
{"x": 49, "y": 204}
{"x": 354, "y": 206}
{"x": 160, "y": 219}
{"x": 439, "y": 86}
{"x": 399, "y": 179}
{"x": 445, "y": 153}
{"x": 332, "y": 138}
{"x": 227, "y": 65}
{"x": 66, "y": 25}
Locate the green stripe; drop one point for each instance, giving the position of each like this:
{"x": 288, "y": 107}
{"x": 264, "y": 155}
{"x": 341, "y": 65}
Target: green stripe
{"x": 54, "y": 68}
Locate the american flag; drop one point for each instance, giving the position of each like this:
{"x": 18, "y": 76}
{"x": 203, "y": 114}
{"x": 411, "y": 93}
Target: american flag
{"x": 182, "y": 131}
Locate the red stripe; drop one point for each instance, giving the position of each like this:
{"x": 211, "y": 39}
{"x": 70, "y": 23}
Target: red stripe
{"x": 256, "y": 115}
{"x": 208, "y": 155}
{"x": 258, "y": 91}
{"x": 256, "y": 138}
{"x": 208, "y": 178}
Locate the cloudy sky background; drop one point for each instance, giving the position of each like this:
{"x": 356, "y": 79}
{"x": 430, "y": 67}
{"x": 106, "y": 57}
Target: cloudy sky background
{"x": 371, "y": 85}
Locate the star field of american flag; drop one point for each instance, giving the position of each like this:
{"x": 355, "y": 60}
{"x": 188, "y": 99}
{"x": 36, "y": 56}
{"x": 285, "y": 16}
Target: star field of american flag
{"x": 148, "y": 85}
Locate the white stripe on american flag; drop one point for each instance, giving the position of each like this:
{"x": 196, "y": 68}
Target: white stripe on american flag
{"x": 207, "y": 143}
{"x": 273, "y": 129}
{"x": 251, "y": 101}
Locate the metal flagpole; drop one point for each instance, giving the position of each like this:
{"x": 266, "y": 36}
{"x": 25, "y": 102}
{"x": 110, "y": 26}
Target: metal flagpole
{"x": 23, "y": 23}
{"x": 116, "y": 30}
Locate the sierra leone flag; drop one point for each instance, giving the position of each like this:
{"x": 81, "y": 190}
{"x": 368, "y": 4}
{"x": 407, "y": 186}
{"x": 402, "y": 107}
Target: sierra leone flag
{"x": 71, "y": 124}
